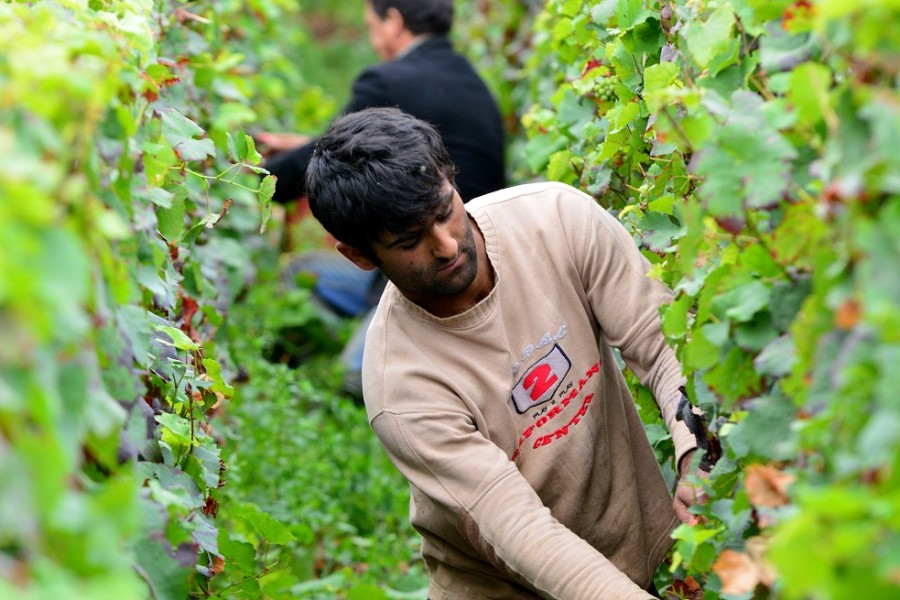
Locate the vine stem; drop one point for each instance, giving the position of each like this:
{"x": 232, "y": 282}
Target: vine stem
{"x": 190, "y": 401}
{"x": 146, "y": 577}
{"x": 219, "y": 177}
{"x": 678, "y": 128}
{"x": 263, "y": 571}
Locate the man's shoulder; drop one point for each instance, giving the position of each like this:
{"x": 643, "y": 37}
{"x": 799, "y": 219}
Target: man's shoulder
{"x": 431, "y": 48}
{"x": 551, "y": 213}
{"x": 537, "y": 196}
{"x": 435, "y": 56}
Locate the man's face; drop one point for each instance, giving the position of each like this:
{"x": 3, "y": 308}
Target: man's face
{"x": 379, "y": 34}
{"x": 433, "y": 262}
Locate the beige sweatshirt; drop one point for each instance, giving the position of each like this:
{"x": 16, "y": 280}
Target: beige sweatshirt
{"x": 530, "y": 472}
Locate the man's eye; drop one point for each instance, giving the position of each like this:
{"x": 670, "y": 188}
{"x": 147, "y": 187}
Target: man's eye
{"x": 444, "y": 216}
{"x": 410, "y": 244}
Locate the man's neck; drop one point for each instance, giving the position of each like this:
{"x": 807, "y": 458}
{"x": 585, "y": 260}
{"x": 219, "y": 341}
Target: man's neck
{"x": 410, "y": 44}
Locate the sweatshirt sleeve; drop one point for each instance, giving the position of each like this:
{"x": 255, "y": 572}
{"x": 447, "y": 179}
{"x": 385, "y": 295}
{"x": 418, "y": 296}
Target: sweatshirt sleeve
{"x": 626, "y": 302}
{"x": 496, "y": 509}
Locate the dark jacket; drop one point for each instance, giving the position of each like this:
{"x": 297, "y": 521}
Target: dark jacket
{"x": 438, "y": 85}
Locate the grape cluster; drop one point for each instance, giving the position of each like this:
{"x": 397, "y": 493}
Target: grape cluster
{"x": 605, "y": 88}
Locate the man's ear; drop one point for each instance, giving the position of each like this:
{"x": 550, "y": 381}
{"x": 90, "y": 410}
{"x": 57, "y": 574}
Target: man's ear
{"x": 356, "y": 256}
{"x": 395, "y": 22}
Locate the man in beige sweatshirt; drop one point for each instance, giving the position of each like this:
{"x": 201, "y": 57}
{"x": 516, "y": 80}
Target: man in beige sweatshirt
{"x": 489, "y": 373}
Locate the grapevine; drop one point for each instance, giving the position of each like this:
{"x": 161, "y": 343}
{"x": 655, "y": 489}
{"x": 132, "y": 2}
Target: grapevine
{"x": 147, "y": 451}
{"x": 605, "y": 89}
{"x": 747, "y": 147}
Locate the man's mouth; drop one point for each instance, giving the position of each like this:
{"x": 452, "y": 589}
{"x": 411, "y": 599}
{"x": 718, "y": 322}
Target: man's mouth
{"x": 452, "y": 264}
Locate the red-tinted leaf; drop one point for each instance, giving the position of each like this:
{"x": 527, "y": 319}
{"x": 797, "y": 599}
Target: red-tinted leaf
{"x": 687, "y": 589}
{"x": 848, "y": 314}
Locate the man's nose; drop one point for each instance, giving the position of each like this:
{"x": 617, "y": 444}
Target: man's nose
{"x": 444, "y": 244}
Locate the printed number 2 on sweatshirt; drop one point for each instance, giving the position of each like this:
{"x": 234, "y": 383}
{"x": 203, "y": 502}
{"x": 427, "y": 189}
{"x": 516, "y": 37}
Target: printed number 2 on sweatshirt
{"x": 541, "y": 381}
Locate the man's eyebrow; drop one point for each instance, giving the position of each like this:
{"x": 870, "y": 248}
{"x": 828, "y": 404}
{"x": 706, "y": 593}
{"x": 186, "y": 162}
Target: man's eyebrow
{"x": 406, "y": 236}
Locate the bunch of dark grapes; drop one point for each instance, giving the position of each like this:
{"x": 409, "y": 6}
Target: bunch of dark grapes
{"x": 605, "y": 88}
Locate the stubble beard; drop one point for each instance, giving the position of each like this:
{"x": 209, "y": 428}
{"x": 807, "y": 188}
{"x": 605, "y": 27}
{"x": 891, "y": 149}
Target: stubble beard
{"x": 432, "y": 283}
{"x": 466, "y": 275}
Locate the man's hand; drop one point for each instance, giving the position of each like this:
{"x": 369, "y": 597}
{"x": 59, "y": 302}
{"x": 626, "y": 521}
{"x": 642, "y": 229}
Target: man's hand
{"x": 271, "y": 143}
{"x": 687, "y": 493}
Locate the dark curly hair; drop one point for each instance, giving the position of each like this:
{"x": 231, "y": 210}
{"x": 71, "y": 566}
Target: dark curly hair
{"x": 377, "y": 171}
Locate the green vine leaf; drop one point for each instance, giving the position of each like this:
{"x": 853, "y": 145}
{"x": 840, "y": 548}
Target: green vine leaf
{"x": 659, "y": 80}
{"x": 708, "y": 39}
{"x": 242, "y": 148}
{"x": 746, "y": 162}
{"x": 269, "y": 528}
{"x": 214, "y": 371}
{"x": 176, "y": 431}
{"x": 179, "y": 339}
{"x": 659, "y": 231}
{"x": 266, "y": 191}
{"x": 809, "y": 93}
{"x": 630, "y": 13}
{"x": 170, "y": 218}
{"x": 180, "y": 132}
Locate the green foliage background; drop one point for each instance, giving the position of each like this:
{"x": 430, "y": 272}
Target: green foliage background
{"x": 149, "y": 450}
{"x": 752, "y": 148}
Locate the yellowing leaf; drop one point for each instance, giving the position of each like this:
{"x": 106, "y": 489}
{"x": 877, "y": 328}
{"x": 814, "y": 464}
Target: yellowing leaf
{"x": 737, "y": 572}
{"x": 757, "y": 547}
{"x": 767, "y": 486}
{"x": 214, "y": 371}
{"x": 179, "y": 339}
{"x": 848, "y": 314}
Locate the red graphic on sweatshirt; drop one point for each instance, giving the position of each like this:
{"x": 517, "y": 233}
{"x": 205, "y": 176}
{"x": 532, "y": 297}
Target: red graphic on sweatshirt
{"x": 554, "y": 412}
{"x": 541, "y": 381}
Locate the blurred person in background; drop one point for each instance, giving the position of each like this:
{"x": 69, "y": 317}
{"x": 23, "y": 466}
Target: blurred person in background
{"x": 423, "y": 75}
